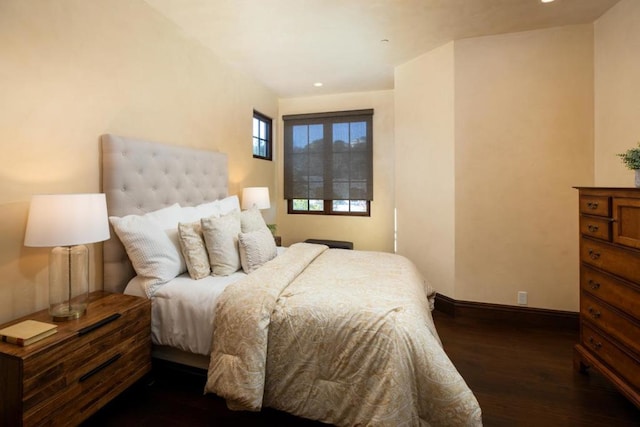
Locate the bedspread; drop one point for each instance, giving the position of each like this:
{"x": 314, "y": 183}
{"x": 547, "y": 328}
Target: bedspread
{"x": 344, "y": 337}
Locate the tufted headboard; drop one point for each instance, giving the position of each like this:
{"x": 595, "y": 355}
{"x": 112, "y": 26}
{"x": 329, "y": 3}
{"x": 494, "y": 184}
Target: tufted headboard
{"x": 141, "y": 176}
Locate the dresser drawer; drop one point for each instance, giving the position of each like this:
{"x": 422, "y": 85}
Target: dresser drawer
{"x": 595, "y": 205}
{"x": 601, "y": 315}
{"x": 624, "y": 296}
{"x": 625, "y": 364}
{"x": 597, "y": 227}
{"x": 616, "y": 260}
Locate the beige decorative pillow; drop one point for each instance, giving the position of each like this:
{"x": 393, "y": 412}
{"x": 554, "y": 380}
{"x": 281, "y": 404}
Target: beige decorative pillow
{"x": 256, "y": 248}
{"x": 251, "y": 220}
{"x": 194, "y": 250}
{"x": 221, "y": 240}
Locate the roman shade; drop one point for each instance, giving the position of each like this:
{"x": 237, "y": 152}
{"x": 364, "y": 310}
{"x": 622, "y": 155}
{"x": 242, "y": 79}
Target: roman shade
{"x": 329, "y": 156}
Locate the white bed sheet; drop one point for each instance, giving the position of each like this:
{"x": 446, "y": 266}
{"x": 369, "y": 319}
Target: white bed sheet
{"x": 183, "y": 310}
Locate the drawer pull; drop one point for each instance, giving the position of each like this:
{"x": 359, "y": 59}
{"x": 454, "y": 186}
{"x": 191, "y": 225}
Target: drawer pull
{"x": 594, "y": 313}
{"x": 593, "y": 284}
{"x": 592, "y": 205}
{"x": 593, "y": 254}
{"x": 594, "y": 343}
{"x": 98, "y": 324}
{"x": 592, "y": 228}
{"x": 99, "y": 368}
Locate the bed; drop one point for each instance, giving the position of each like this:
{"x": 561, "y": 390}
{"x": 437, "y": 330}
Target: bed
{"x": 343, "y": 337}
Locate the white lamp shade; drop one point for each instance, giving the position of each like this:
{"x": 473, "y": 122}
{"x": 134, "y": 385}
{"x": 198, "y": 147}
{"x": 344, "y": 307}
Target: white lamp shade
{"x": 67, "y": 220}
{"x": 255, "y": 196}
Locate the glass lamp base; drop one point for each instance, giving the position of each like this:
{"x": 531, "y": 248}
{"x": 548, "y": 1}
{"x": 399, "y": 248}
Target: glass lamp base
{"x": 64, "y": 312}
{"x": 68, "y": 282}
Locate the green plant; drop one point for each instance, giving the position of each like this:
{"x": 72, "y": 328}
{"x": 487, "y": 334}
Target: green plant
{"x": 631, "y": 158}
{"x": 272, "y": 228}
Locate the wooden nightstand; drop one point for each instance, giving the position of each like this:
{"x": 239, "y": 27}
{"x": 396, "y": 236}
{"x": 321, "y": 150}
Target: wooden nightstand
{"x": 64, "y": 378}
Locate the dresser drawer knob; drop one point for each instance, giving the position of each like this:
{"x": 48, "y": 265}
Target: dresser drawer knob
{"x": 592, "y": 205}
{"x": 594, "y": 343}
{"x": 592, "y": 228}
{"x": 593, "y": 254}
{"x": 594, "y": 313}
{"x": 593, "y": 284}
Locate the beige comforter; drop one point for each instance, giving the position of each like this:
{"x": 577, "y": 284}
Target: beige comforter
{"x": 344, "y": 337}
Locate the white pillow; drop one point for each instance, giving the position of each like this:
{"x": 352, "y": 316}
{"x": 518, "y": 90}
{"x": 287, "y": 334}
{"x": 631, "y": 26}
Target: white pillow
{"x": 251, "y": 220}
{"x": 151, "y": 242}
{"x": 229, "y": 204}
{"x": 221, "y": 240}
{"x": 256, "y": 248}
{"x": 195, "y": 213}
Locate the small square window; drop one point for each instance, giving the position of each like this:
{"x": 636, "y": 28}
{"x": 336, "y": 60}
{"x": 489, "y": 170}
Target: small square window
{"x": 261, "y": 136}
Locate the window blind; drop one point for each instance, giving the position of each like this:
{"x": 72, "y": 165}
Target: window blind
{"x": 329, "y": 156}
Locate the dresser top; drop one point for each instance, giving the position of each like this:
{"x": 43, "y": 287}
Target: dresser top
{"x": 609, "y": 188}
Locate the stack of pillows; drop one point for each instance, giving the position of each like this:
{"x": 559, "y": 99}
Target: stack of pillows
{"x": 213, "y": 238}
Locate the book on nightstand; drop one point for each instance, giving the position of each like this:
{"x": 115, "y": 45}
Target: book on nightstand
{"x": 27, "y": 332}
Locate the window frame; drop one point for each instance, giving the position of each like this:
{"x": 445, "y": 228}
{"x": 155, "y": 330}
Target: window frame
{"x": 328, "y": 209}
{"x": 269, "y": 137}
{"x": 328, "y": 203}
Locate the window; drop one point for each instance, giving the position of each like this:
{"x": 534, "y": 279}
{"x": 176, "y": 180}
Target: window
{"x": 328, "y": 165}
{"x": 261, "y": 136}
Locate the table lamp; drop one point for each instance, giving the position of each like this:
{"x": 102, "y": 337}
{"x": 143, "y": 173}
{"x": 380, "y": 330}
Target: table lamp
{"x": 67, "y": 222}
{"x": 255, "y": 196}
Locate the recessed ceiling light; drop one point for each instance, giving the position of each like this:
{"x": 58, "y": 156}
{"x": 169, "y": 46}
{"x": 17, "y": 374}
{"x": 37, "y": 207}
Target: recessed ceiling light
{"x": 317, "y": 84}
{"x": 546, "y": 1}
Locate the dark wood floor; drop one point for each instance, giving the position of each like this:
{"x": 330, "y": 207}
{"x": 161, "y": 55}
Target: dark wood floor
{"x": 521, "y": 376}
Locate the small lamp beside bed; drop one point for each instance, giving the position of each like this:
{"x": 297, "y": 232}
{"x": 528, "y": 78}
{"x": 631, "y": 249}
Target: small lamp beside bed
{"x": 257, "y": 197}
{"x": 67, "y": 222}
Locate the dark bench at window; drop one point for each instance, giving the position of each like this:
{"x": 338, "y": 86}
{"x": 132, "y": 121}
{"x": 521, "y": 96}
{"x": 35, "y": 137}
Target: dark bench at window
{"x": 336, "y": 244}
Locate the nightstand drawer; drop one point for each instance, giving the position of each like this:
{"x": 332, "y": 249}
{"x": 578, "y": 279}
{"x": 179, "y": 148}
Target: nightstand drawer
{"x": 78, "y": 357}
{"x": 620, "y": 327}
{"x": 102, "y": 379}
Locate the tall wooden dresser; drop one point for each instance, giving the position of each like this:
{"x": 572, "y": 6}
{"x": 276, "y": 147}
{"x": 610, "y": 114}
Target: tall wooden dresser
{"x": 610, "y": 286}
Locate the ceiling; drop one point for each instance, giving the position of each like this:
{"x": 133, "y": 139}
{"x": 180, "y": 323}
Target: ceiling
{"x": 352, "y": 45}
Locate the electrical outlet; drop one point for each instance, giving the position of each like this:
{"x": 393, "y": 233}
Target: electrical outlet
{"x": 522, "y": 298}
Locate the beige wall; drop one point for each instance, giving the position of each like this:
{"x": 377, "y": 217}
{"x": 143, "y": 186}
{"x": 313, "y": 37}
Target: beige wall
{"x": 71, "y": 70}
{"x": 367, "y": 233}
{"x": 522, "y": 137}
{"x": 493, "y": 130}
{"x": 617, "y": 91}
{"x": 425, "y": 180}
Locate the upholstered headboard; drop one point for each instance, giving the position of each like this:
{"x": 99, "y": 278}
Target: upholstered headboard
{"x": 141, "y": 176}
